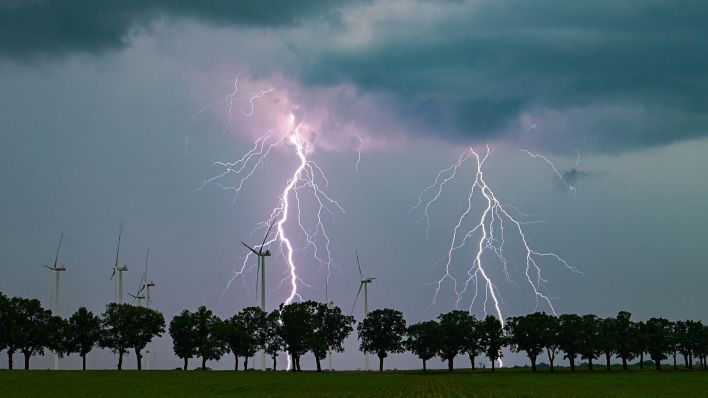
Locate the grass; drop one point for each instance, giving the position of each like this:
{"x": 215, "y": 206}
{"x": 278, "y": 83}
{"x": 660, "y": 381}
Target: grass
{"x": 504, "y": 383}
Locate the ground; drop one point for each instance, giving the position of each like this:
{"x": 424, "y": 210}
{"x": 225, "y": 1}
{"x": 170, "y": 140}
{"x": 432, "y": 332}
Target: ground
{"x": 504, "y": 383}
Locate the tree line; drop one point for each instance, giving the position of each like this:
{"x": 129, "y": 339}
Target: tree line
{"x": 317, "y": 328}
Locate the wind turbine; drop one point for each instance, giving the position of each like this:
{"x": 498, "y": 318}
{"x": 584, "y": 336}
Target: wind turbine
{"x": 57, "y": 270}
{"x": 261, "y": 264}
{"x": 119, "y": 269}
{"x": 145, "y": 286}
{"x": 365, "y": 284}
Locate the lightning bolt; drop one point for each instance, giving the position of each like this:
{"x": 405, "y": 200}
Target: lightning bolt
{"x": 558, "y": 174}
{"x": 306, "y": 182}
{"x": 488, "y": 234}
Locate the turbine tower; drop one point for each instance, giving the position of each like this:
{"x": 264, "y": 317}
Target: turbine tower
{"x": 145, "y": 287}
{"x": 365, "y": 284}
{"x": 261, "y": 255}
{"x": 119, "y": 269}
{"x": 57, "y": 270}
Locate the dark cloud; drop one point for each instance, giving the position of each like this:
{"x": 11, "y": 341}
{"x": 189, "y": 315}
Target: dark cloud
{"x": 603, "y": 76}
{"x": 31, "y": 28}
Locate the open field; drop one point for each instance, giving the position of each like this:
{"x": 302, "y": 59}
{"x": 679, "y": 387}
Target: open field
{"x": 505, "y": 383}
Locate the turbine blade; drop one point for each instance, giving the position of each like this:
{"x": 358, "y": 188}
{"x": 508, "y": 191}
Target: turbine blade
{"x": 113, "y": 274}
{"x": 251, "y": 249}
{"x": 357, "y": 296}
{"x": 56, "y": 258}
{"x": 48, "y": 267}
{"x": 266, "y": 236}
{"x": 118, "y": 249}
{"x": 357, "y": 263}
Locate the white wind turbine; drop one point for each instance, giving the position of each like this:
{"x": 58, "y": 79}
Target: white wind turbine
{"x": 145, "y": 287}
{"x": 57, "y": 270}
{"x": 119, "y": 269}
{"x": 261, "y": 265}
{"x": 365, "y": 284}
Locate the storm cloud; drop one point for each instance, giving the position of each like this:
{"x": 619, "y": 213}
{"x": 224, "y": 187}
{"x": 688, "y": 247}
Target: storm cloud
{"x": 601, "y": 76}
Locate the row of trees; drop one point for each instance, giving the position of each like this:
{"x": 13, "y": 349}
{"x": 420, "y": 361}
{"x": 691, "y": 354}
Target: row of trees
{"x": 296, "y": 328}
{"x": 28, "y": 328}
{"x": 311, "y": 327}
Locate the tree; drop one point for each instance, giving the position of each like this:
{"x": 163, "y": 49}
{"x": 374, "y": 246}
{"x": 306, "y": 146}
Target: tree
{"x": 570, "y": 332}
{"x": 382, "y": 332}
{"x": 694, "y": 335}
{"x": 116, "y": 324}
{"x": 550, "y": 337}
{"x": 492, "y": 338}
{"x": 274, "y": 342}
{"x": 607, "y": 339}
{"x": 236, "y": 337}
{"x": 146, "y": 323}
{"x": 296, "y": 330}
{"x": 9, "y": 328}
{"x": 208, "y": 342}
{"x": 253, "y": 320}
{"x": 329, "y": 329}
{"x": 4, "y": 321}
{"x": 184, "y": 336}
{"x": 473, "y": 339}
{"x": 58, "y": 336}
{"x": 657, "y": 332}
{"x": 640, "y": 342}
{"x": 32, "y": 327}
{"x": 453, "y": 330}
{"x": 84, "y": 331}
{"x": 625, "y": 333}
{"x": 526, "y": 333}
{"x": 424, "y": 340}
{"x": 589, "y": 339}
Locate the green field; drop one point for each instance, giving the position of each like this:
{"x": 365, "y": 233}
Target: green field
{"x": 505, "y": 383}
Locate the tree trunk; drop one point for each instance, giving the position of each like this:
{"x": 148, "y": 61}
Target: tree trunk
{"x": 139, "y": 358}
{"x": 572, "y": 363}
{"x": 685, "y": 359}
{"x": 624, "y": 364}
{"x": 27, "y": 359}
{"x": 293, "y": 363}
{"x": 185, "y": 363}
{"x": 317, "y": 361}
{"x": 449, "y": 364}
{"x": 425, "y": 369}
{"x": 551, "y": 358}
{"x": 492, "y": 361}
{"x": 590, "y": 364}
{"x": 641, "y": 360}
{"x": 83, "y": 362}
{"x": 608, "y": 356}
{"x": 235, "y": 362}
{"x": 675, "y": 367}
{"x": 275, "y": 363}
{"x": 381, "y": 363}
{"x": 297, "y": 361}
{"x": 533, "y": 362}
{"x": 203, "y": 362}
{"x": 472, "y": 358}
{"x": 245, "y": 363}
{"x": 10, "y": 354}
{"x": 120, "y": 360}
{"x": 657, "y": 364}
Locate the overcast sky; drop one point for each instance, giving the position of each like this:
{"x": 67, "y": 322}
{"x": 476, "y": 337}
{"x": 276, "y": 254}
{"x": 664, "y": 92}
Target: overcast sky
{"x": 115, "y": 111}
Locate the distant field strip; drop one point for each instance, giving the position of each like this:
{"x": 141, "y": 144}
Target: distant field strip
{"x": 504, "y": 383}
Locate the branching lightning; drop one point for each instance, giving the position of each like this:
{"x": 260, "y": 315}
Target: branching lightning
{"x": 487, "y": 234}
{"x": 557, "y": 173}
{"x": 307, "y": 179}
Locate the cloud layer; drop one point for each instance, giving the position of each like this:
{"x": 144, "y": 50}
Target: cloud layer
{"x": 604, "y": 76}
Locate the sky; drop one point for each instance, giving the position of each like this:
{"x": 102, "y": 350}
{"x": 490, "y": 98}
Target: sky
{"x": 120, "y": 111}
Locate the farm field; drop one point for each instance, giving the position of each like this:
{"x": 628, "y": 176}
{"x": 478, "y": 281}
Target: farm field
{"x": 504, "y": 383}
